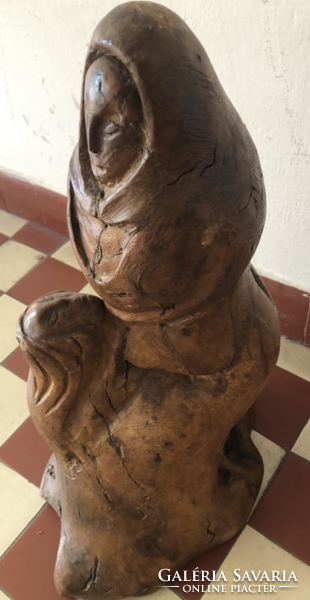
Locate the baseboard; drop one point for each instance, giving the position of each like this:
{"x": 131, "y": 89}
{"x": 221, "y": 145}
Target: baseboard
{"x": 36, "y": 203}
{"x": 294, "y": 310}
{"x": 33, "y": 202}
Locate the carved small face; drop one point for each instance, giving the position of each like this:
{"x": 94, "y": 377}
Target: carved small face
{"x": 114, "y": 119}
{"x": 60, "y": 315}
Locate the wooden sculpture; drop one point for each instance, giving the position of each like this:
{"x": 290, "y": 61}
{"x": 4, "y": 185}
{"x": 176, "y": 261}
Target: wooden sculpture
{"x": 145, "y": 394}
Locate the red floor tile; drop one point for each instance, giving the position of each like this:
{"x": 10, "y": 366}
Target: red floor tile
{"x": 292, "y": 305}
{"x": 3, "y": 238}
{"x": 283, "y": 515}
{"x": 209, "y": 561}
{"x": 49, "y": 276}
{"x": 26, "y": 571}
{"x": 17, "y": 363}
{"x": 39, "y": 237}
{"x": 283, "y": 408}
{"x": 26, "y": 452}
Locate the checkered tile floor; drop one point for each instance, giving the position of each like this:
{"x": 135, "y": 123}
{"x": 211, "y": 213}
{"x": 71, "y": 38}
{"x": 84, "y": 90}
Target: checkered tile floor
{"x": 34, "y": 261}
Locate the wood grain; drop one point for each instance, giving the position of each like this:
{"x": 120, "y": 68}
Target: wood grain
{"x": 146, "y": 394}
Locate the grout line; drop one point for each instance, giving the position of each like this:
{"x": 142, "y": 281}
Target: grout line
{"x": 284, "y": 460}
{"x": 232, "y": 546}
{"x": 40, "y": 262}
{"x": 268, "y": 438}
{"x": 306, "y": 460}
{"x": 294, "y": 357}
{"x": 58, "y": 247}
{"x": 11, "y": 237}
{"x": 70, "y": 267}
{"x": 4, "y": 366}
{"x": 279, "y": 545}
{"x": 50, "y": 253}
{"x": 271, "y": 481}
{"x": 296, "y": 342}
{"x": 21, "y": 533}
{"x": 236, "y": 536}
{"x": 34, "y": 267}
{"x": 44, "y": 254}
{"x": 6, "y": 593}
{"x": 4, "y": 202}
{"x": 18, "y": 472}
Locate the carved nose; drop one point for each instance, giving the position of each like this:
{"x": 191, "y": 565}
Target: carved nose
{"x": 36, "y": 321}
{"x": 42, "y": 314}
{"x": 76, "y": 573}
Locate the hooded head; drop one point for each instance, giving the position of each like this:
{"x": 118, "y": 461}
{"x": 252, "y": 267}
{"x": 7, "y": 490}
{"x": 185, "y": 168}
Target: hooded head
{"x": 166, "y": 197}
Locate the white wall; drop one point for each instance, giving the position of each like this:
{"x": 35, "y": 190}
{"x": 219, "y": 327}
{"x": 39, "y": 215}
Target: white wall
{"x": 260, "y": 50}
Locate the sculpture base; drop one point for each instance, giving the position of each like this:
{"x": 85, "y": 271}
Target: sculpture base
{"x": 239, "y": 478}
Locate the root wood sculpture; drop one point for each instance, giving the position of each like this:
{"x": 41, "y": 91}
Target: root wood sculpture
{"x": 145, "y": 393}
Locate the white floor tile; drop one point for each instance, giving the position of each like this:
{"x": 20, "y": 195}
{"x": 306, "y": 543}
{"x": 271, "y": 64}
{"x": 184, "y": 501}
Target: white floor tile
{"x": 9, "y": 224}
{"x": 272, "y": 455}
{"x": 10, "y": 311}
{"x": 252, "y": 551}
{"x": 13, "y": 405}
{"x": 15, "y": 261}
{"x": 19, "y": 503}
{"x": 302, "y": 444}
{"x": 294, "y": 357}
{"x": 66, "y": 255}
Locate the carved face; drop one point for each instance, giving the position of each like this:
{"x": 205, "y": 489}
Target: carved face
{"x": 113, "y": 117}
{"x": 60, "y": 315}
{"x": 162, "y": 210}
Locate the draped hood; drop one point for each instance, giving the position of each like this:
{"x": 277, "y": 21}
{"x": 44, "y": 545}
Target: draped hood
{"x": 179, "y": 228}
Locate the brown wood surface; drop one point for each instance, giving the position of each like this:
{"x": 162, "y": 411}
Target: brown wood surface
{"x": 145, "y": 395}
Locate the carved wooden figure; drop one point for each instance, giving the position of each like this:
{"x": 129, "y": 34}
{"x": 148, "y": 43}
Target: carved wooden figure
{"x": 145, "y": 394}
